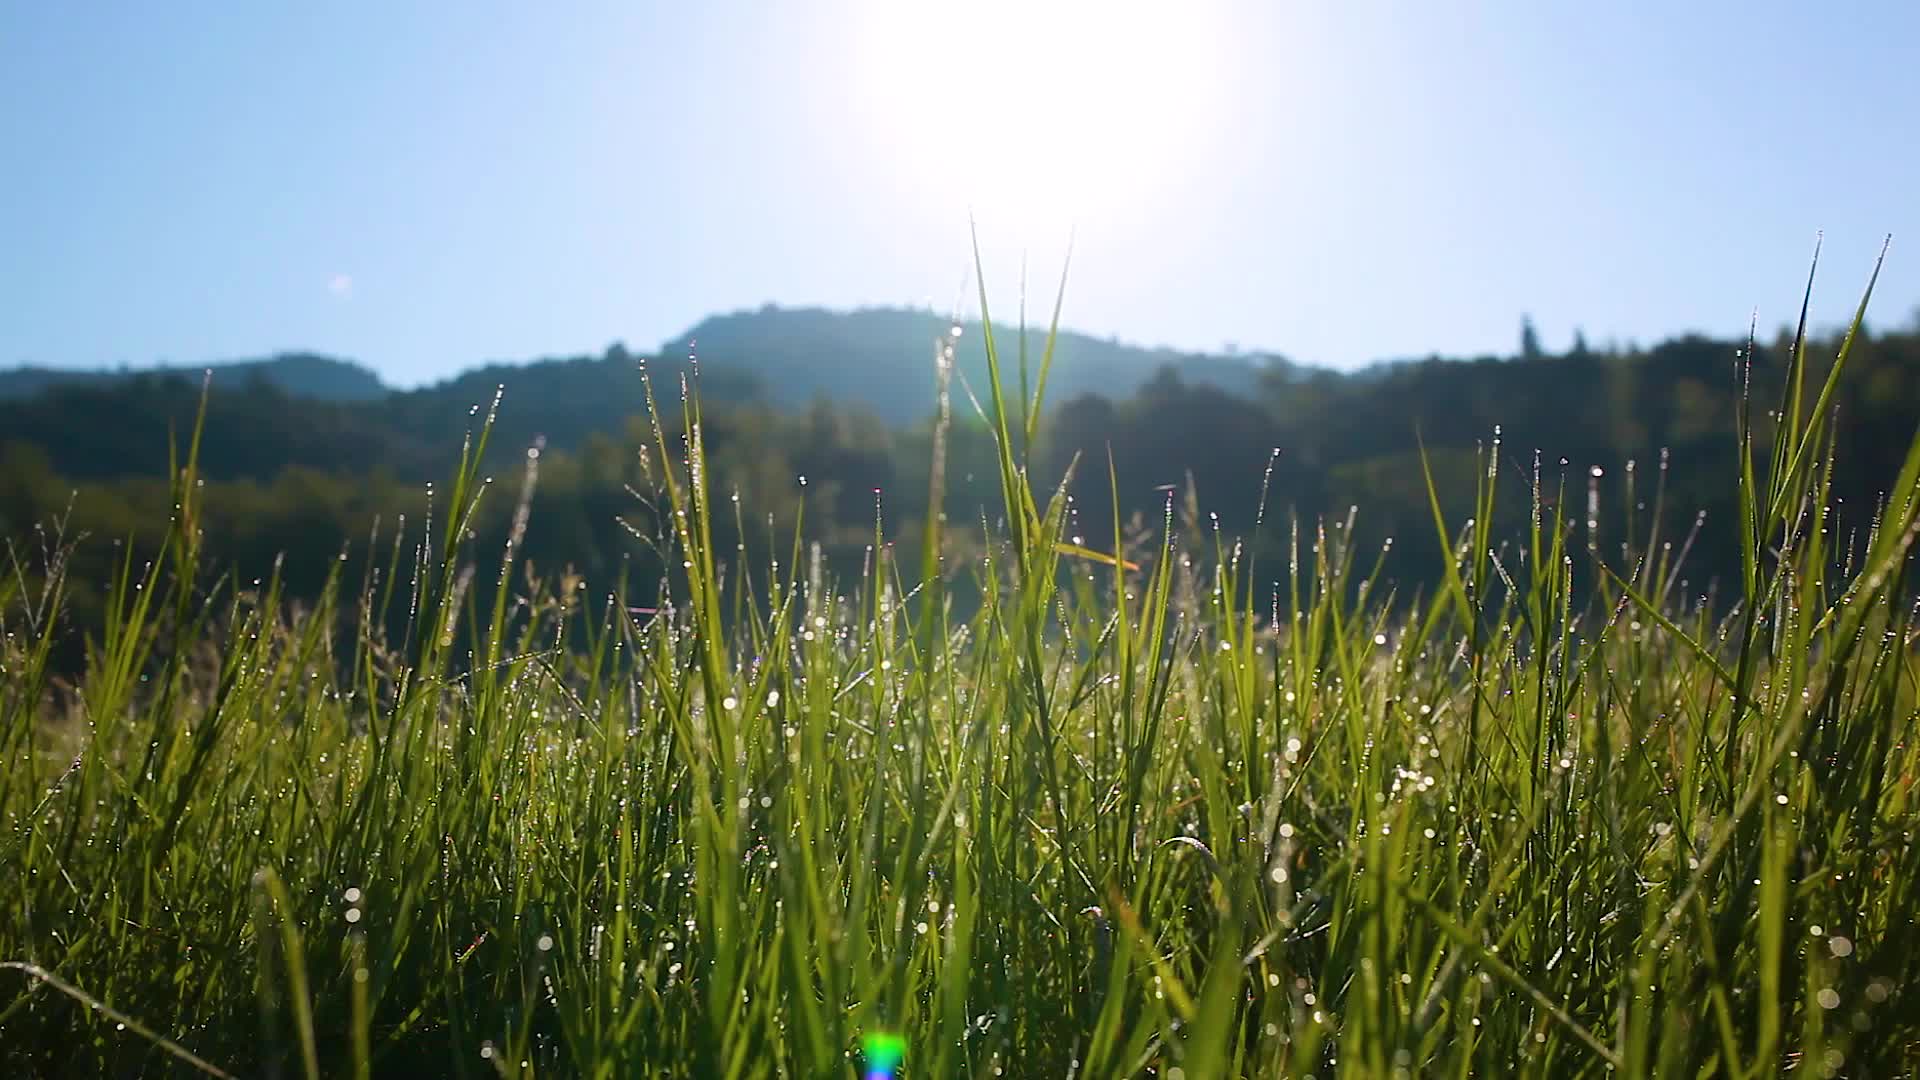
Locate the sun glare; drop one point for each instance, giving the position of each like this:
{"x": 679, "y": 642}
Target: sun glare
{"x": 1037, "y": 114}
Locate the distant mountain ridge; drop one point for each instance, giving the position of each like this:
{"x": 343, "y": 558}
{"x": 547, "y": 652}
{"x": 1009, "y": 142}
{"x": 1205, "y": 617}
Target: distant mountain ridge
{"x": 305, "y": 410}
{"x": 301, "y": 374}
{"x": 881, "y": 359}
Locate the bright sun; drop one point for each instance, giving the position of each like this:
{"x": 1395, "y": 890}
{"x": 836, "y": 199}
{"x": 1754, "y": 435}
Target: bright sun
{"x": 1038, "y": 114}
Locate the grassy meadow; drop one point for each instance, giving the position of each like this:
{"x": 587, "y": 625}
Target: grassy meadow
{"x": 1150, "y": 808}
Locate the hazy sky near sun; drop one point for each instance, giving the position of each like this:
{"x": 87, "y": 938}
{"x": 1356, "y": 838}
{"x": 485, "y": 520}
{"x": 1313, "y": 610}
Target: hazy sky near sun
{"x": 427, "y": 186}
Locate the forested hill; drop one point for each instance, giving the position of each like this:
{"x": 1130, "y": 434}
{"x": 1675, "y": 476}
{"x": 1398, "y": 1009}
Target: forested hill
{"x": 304, "y": 374}
{"x": 844, "y": 400}
{"x": 875, "y": 359}
{"x": 317, "y": 412}
{"x": 880, "y": 358}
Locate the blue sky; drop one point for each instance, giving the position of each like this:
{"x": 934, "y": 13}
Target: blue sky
{"x": 424, "y": 187}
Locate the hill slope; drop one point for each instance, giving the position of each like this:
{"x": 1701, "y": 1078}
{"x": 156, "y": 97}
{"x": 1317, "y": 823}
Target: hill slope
{"x": 308, "y": 375}
{"x": 882, "y": 358}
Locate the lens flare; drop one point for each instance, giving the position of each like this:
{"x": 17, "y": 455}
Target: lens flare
{"x": 883, "y": 1051}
